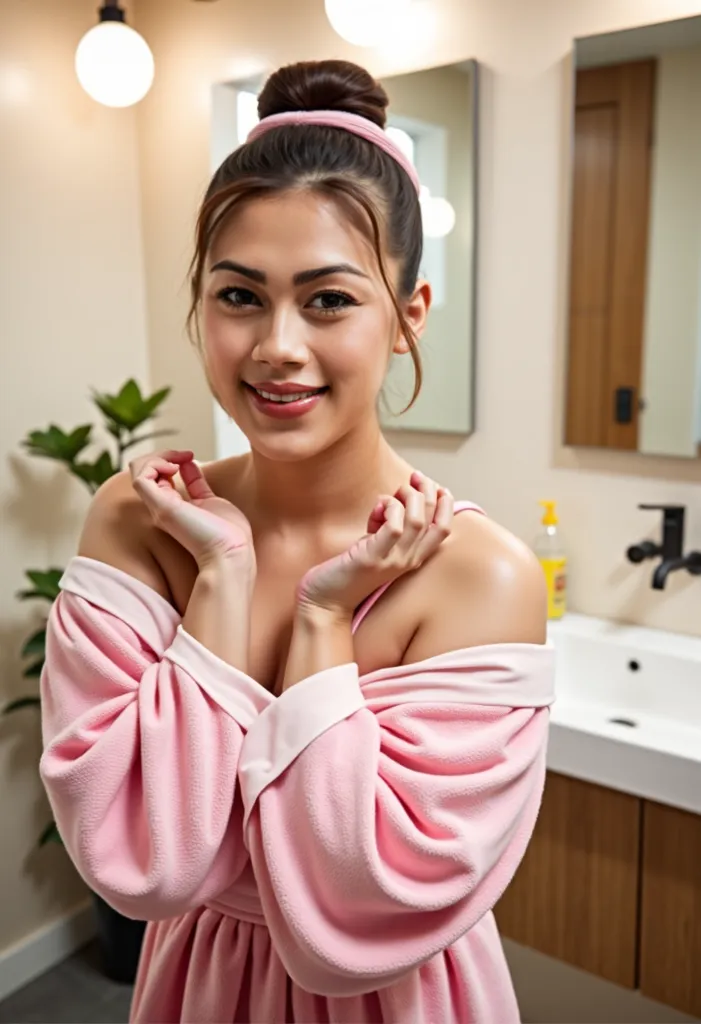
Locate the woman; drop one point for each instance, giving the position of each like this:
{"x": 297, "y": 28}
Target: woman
{"x": 314, "y": 796}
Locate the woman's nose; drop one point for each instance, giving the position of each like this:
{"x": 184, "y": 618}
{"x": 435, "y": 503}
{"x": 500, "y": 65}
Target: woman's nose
{"x": 282, "y": 340}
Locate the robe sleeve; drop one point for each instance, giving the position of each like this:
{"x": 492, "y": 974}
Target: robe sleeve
{"x": 386, "y": 815}
{"x": 142, "y": 730}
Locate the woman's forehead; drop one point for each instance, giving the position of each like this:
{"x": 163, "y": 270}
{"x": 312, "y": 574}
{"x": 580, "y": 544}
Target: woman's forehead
{"x": 297, "y": 227}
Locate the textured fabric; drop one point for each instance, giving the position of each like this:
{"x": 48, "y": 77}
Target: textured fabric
{"x": 382, "y": 823}
{"x": 353, "y": 123}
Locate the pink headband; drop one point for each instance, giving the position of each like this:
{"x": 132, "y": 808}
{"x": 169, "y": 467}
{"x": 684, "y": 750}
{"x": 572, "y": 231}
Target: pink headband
{"x": 361, "y": 126}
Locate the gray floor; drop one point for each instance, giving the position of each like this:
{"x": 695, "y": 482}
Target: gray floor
{"x": 75, "y": 992}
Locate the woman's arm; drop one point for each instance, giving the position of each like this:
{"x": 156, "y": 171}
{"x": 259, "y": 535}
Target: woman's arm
{"x": 321, "y": 639}
{"x": 118, "y": 530}
{"x": 385, "y": 816}
{"x": 144, "y": 720}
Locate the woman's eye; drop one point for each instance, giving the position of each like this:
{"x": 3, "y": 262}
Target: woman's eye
{"x": 332, "y": 302}
{"x": 239, "y": 298}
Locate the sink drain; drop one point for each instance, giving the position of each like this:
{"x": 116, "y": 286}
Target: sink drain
{"x": 628, "y": 722}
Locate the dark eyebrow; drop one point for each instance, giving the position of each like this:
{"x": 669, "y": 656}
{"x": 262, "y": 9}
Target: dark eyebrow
{"x": 303, "y": 277}
{"x": 238, "y": 268}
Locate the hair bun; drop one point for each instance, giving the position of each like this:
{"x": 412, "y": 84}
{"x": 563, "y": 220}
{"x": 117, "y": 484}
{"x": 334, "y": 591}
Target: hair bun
{"x": 324, "y": 85}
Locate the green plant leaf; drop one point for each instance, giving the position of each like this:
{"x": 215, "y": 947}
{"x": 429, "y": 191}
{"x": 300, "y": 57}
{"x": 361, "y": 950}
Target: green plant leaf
{"x": 55, "y": 443}
{"x": 95, "y": 473}
{"x": 153, "y": 401}
{"x": 35, "y": 645}
{"x": 45, "y": 584}
{"x": 128, "y": 409}
{"x": 21, "y": 702}
{"x": 33, "y": 671}
{"x": 50, "y": 835}
{"x": 146, "y": 437}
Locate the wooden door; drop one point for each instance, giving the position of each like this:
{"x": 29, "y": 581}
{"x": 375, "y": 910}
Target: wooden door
{"x": 608, "y": 256}
{"x": 670, "y": 940}
{"x": 575, "y": 896}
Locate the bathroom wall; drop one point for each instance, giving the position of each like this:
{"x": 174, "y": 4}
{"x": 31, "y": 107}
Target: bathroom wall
{"x": 516, "y": 456}
{"x": 71, "y": 317}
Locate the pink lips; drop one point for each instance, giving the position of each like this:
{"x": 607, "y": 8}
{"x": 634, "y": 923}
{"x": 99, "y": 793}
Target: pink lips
{"x": 284, "y": 410}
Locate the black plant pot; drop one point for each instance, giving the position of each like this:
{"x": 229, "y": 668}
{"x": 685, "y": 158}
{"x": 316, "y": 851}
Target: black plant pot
{"x": 120, "y": 940}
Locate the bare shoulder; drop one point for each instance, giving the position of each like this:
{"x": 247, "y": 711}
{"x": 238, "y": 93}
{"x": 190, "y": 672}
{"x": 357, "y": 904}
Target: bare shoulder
{"x": 484, "y": 586}
{"x": 119, "y": 531}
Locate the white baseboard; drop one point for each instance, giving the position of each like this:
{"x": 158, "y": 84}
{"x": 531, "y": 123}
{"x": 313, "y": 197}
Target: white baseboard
{"x": 44, "y": 948}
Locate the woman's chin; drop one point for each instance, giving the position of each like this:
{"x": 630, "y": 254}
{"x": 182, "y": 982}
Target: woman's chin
{"x": 287, "y": 447}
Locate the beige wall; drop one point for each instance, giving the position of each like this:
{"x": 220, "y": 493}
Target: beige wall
{"x": 72, "y": 315}
{"x": 515, "y": 457}
{"x": 672, "y": 337}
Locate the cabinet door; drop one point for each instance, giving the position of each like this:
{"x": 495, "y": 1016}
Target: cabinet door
{"x": 575, "y": 895}
{"x": 670, "y": 946}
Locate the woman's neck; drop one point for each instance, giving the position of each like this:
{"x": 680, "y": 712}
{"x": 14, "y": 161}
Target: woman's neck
{"x": 338, "y": 486}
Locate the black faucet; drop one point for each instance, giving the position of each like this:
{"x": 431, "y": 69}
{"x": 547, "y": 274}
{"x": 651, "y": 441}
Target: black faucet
{"x": 671, "y": 549}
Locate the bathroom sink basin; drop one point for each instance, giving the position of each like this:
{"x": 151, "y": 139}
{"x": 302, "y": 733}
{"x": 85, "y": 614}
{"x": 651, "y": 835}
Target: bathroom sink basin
{"x": 628, "y": 709}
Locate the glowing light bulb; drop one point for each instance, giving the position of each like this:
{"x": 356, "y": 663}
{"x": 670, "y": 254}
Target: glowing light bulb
{"x": 437, "y": 215}
{"x": 365, "y": 22}
{"x": 114, "y": 64}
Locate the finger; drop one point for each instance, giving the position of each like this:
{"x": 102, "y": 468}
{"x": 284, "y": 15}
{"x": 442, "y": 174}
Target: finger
{"x": 169, "y": 455}
{"x": 445, "y": 510}
{"x": 429, "y": 489}
{"x": 155, "y": 477}
{"x": 391, "y": 530}
{"x": 377, "y": 516}
{"x": 440, "y": 528}
{"x": 415, "y": 524}
{"x": 195, "y": 482}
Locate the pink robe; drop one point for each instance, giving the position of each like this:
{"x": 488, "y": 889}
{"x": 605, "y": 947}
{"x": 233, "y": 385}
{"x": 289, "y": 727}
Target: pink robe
{"x": 332, "y": 854}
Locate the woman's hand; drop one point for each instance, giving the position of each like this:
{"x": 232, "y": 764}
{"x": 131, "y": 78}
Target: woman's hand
{"x": 210, "y": 528}
{"x": 403, "y": 532}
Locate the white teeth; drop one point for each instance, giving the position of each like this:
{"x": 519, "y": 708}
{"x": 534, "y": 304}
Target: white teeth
{"x": 284, "y": 398}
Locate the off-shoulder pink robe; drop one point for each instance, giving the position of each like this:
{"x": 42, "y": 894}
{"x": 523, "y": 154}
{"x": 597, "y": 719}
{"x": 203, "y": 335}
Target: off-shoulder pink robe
{"x": 332, "y": 854}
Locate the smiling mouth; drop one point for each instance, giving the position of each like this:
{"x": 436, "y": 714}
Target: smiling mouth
{"x": 297, "y": 396}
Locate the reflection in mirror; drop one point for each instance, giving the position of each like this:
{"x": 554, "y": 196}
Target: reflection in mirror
{"x": 434, "y": 112}
{"x": 432, "y": 116}
{"x": 634, "y": 361}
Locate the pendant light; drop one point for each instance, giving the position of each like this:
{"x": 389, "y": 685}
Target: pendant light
{"x": 366, "y": 22}
{"x": 437, "y": 214}
{"x": 114, "y": 64}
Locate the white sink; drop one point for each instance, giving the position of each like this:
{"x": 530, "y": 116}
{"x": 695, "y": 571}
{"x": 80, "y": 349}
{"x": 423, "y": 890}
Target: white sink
{"x": 628, "y": 709}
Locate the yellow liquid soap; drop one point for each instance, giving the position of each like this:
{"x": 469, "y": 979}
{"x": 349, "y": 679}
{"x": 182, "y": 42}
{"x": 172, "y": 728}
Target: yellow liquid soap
{"x": 550, "y": 552}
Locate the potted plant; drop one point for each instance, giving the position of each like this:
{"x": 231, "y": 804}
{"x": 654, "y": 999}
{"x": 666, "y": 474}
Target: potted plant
{"x": 125, "y": 416}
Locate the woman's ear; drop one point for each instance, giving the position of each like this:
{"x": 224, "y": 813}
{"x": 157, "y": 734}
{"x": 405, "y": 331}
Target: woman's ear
{"x": 415, "y": 311}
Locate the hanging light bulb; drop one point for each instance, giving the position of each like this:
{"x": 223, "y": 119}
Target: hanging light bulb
{"x": 365, "y": 22}
{"x": 437, "y": 214}
{"x": 113, "y": 62}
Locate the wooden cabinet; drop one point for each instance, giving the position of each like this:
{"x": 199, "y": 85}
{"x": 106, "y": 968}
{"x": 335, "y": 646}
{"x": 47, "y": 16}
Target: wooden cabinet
{"x": 670, "y": 912}
{"x": 575, "y": 896}
{"x": 612, "y": 884}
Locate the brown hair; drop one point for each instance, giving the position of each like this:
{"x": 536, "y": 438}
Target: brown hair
{"x": 337, "y": 163}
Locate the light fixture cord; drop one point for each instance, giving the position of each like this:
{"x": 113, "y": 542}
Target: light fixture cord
{"x": 111, "y": 11}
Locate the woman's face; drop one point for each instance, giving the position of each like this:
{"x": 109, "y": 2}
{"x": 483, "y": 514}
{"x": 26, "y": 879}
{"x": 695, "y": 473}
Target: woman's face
{"x": 298, "y": 326}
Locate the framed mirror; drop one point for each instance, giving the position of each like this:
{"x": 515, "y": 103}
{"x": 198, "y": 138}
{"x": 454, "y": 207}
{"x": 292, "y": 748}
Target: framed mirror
{"x": 433, "y": 116}
{"x": 634, "y": 316}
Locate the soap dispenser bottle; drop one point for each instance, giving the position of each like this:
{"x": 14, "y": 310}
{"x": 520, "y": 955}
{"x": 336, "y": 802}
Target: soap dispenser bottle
{"x": 552, "y": 557}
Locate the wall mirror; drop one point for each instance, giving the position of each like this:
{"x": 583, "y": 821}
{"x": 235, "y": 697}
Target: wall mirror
{"x": 433, "y": 116}
{"x": 634, "y": 323}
